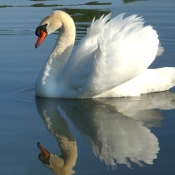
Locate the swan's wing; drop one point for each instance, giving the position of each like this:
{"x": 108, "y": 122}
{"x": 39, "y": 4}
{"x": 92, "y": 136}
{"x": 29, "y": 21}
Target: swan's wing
{"x": 112, "y": 53}
{"x": 88, "y": 43}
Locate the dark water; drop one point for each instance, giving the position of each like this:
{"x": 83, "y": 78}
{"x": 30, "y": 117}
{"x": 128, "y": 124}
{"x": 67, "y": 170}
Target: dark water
{"x": 107, "y": 136}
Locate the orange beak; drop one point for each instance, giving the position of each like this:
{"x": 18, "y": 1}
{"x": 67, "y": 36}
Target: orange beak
{"x": 40, "y": 38}
{"x": 44, "y": 152}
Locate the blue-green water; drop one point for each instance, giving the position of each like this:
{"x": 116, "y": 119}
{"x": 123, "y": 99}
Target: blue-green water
{"x": 112, "y": 136}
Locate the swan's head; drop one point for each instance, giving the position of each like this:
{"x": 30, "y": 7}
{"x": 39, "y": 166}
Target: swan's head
{"x": 48, "y": 25}
{"x": 56, "y": 163}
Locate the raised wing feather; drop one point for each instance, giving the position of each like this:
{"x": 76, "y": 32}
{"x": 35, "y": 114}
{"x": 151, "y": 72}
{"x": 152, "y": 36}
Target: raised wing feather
{"x": 111, "y": 54}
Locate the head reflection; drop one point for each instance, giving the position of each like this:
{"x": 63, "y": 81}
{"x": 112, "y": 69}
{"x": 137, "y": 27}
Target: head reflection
{"x": 64, "y": 163}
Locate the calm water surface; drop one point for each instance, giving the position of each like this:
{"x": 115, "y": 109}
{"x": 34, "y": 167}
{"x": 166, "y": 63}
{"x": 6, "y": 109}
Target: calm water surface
{"x": 109, "y": 136}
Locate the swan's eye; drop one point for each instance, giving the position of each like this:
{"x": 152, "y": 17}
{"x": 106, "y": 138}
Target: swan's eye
{"x": 37, "y": 31}
{"x": 39, "y": 28}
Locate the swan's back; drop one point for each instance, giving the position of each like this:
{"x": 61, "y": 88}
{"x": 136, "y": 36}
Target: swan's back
{"x": 112, "y": 53}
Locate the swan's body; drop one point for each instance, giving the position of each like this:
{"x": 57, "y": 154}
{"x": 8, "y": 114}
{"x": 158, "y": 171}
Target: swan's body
{"x": 110, "y": 61}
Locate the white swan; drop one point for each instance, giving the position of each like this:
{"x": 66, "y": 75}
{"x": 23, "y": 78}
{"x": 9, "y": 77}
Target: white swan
{"x": 110, "y": 61}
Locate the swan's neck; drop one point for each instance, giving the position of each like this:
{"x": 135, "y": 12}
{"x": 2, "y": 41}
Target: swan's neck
{"x": 60, "y": 53}
{"x": 52, "y": 70}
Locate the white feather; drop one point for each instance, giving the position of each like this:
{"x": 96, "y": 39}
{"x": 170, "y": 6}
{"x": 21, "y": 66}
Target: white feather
{"x": 110, "y": 53}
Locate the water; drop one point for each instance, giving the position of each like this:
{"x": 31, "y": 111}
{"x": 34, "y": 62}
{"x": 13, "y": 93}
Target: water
{"x": 138, "y": 139}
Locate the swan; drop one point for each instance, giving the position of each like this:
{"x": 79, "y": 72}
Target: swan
{"x": 110, "y": 61}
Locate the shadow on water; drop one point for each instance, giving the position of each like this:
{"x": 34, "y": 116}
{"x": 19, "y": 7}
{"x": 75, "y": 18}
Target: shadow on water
{"x": 118, "y": 129}
{"x": 128, "y": 1}
{"x": 91, "y": 3}
{"x": 82, "y": 17}
{"x": 53, "y": 3}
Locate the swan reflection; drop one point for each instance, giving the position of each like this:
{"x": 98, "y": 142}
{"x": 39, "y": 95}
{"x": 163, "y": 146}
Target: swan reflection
{"x": 118, "y": 129}
{"x": 63, "y": 164}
